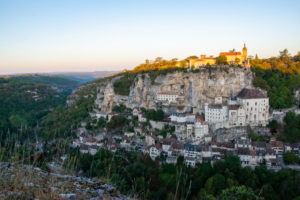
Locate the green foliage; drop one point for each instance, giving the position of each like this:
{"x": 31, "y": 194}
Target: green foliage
{"x": 135, "y": 173}
{"x": 279, "y": 85}
{"x": 291, "y": 128}
{"x": 101, "y": 123}
{"x": 290, "y": 158}
{"x": 255, "y": 137}
{"x": 62, "y": 121}
{"x": 273, "y": 125}
{"x": 57, "y": 81}
{"x": 284, "y": 63}
{"x": 23, "y": 104}
{"x": 119, "y": 108}
{"x": 156, "y": 115}
{"x": 238, "y": 193}
{"x": 117, "y": 121}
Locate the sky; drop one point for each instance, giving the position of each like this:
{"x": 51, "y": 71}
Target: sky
{"x": 90, "y": 35}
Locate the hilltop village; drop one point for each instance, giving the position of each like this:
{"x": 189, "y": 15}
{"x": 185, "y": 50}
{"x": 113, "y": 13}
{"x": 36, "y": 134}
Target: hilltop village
{"x": 201, "y": 116}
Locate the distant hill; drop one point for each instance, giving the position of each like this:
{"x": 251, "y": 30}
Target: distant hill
{"x": 82, "y": 76}
{"x": 57, "y": 81}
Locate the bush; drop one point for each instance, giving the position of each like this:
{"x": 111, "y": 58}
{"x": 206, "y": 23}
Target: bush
{"x": 290, "y": 158}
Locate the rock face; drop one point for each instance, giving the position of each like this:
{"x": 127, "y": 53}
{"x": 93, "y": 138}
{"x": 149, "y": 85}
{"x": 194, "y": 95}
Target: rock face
{"x": 197, "y": 88}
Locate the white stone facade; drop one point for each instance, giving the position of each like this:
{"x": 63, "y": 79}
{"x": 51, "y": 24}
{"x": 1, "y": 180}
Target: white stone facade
{"x": 236, "y": 116}
{"x": 256, "y": 106}
{"x": 215, "y": 113}
{"x": 250, "y": 108}
{"x": 201, "y": 129}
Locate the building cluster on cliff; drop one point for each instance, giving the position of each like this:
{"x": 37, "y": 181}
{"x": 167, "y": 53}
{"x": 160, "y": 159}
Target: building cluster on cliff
{"x": 193, "y": 139}
{"x": 197, "y": 124}
{"x": 249, "y": 108}
{"x": 232, "y": 57}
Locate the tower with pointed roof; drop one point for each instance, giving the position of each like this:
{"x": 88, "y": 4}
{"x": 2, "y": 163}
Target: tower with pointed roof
{"x": 244, "y": 53}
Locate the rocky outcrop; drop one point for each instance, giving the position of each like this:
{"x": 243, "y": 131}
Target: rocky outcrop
{"x": 197, "y": 88}
{"x": 28, "y": 182}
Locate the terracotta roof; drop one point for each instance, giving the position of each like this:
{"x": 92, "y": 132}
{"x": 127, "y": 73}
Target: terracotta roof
{"x": 251, "y": 94}
{"x": 230, "y": 53}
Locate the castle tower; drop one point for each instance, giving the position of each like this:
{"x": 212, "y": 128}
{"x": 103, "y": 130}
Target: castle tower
{"x": 244, "y": 53}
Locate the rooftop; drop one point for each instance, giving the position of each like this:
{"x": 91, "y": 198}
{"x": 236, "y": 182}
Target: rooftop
{"x": 233, "y": 107}
{"x": 215, "y": 106}
{"x": 251, "y": 94}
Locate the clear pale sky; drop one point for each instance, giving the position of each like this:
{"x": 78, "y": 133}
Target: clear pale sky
{"x": 87, "y": 35}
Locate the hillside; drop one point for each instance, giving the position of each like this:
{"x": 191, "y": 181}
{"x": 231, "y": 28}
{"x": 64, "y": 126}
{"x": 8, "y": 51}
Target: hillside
{"x": 24, "y": 101}
{"x": 54, "y": 81}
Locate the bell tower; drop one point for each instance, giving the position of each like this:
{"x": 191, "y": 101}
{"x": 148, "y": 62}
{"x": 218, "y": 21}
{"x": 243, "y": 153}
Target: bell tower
{"x": 244, "y": 53}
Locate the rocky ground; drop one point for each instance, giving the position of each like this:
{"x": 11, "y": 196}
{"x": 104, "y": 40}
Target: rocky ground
{"x": 25, "y": 182}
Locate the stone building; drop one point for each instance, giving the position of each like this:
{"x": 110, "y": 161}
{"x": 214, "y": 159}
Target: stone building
{"x": 167, "y": 96}
{"x": 256, "y": 105}
{"x": 201, "y": 128}
{"x": 215, "y": 113}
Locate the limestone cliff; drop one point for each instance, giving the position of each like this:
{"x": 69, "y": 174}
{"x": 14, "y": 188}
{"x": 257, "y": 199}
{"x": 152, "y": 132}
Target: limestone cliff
{"x": 196, "y": 87}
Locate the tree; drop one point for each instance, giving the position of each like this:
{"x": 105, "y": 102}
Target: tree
{"x": 273, "y": 125}
{"x": 119, "y": 108}
{"x": 284, "y": 55}
{"x": 238, "y": 193}
{"x": 290, "y": 158}
{"x": 221, "y": 60}
{"x": 192, "y": 57}
{"x": 215, "y": 184}
{"x": 156, "y": 115}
